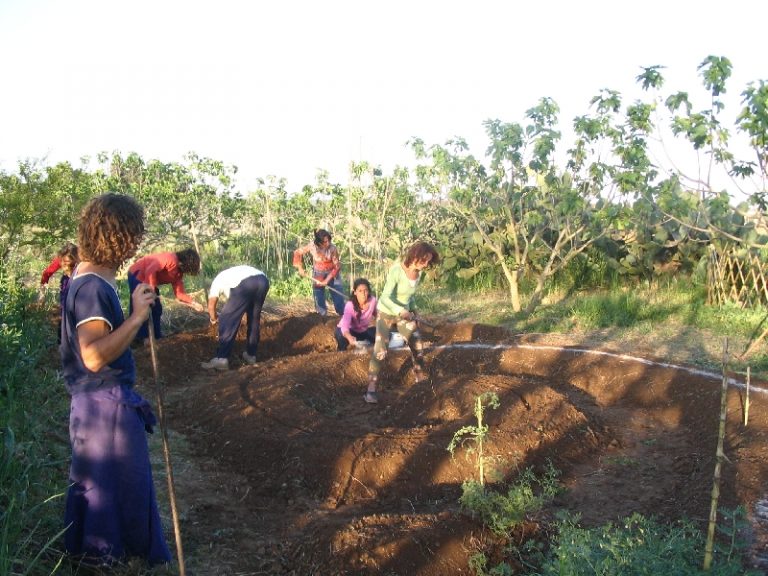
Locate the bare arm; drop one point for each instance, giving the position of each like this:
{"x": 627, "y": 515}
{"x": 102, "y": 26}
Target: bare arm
{"x": 212, "y": 301}
{"x": 99, "y": 346}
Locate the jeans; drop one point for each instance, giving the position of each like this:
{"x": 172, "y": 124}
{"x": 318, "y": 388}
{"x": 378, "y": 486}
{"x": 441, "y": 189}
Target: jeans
{"x": 319, "y": 294}
{"x": 367, "y": 336}
{"x": 156, "y": 313}
{"x": 247, "y": 298}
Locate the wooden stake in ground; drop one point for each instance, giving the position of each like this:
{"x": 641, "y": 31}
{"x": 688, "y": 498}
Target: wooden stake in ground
{"x": 720, "y": 456}
{"x": 746, "y": 400}
{"x": 166, "y": 450}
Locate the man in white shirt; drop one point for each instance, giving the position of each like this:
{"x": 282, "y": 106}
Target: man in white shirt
{"x": 244, "y": 288}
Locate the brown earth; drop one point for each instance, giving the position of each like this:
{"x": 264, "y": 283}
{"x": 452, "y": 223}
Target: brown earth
{"x": 281, "y": 468}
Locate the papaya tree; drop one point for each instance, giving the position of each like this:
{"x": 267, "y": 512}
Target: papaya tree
{"x": 698, "y": 201}
{"x": 531, "y": 217}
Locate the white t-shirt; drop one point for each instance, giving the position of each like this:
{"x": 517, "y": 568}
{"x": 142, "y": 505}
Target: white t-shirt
{"x": 230, "y": 278}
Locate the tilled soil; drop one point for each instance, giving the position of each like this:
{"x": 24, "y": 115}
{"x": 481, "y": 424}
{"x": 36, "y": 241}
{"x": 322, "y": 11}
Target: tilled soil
{"x": 281, "y": 468}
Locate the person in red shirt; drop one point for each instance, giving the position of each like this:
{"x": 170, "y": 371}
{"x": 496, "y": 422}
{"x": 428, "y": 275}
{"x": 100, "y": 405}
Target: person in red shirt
{"x": 65, "y": 260}
{"x": 164, "y": 268}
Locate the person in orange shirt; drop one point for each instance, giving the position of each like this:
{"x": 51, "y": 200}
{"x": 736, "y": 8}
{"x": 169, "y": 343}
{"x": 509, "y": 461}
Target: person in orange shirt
{"x": 326, "y": 271}
{"x": 164, "y": 268}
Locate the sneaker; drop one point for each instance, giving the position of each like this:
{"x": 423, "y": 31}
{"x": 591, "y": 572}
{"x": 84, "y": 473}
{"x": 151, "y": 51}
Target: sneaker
{"x": 371, "y": 398}
{"x": 248, "y": 359}
{"x": 216, "y": 364}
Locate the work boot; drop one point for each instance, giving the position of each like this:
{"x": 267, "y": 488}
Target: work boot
{"x": 248, "y": 359}
{"x": 216, "y": 364}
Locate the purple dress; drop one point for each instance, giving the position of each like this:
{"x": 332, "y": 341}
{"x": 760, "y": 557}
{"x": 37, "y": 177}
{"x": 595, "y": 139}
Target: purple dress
{"x": 111, "y": 510}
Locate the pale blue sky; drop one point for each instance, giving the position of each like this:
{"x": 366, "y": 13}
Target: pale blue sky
{"x": 285, "y": 88}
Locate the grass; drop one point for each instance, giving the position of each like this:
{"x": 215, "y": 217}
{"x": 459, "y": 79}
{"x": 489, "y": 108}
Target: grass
{"x": 33, "y": 458}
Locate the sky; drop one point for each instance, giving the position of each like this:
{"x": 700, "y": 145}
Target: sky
{"x": 292, "y": 87}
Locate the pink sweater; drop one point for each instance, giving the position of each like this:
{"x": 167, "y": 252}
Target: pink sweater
{"x": 350, "y": 322}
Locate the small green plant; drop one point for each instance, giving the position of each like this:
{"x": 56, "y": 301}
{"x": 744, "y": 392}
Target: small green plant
{"x": 473, "y": 437}
{"x": 478, "y": 563}
{"x": 502, "y": 512}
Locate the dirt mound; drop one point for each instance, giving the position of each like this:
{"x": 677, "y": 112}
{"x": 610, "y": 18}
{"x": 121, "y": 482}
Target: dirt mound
{"x": 285, "y": 470}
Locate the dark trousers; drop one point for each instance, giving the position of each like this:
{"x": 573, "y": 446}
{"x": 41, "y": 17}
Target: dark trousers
{"x": 246, "y": 298}
{"x": 337, "y": 294}
{"x": 157, "y": 311}
{"x": 369, "y": 335}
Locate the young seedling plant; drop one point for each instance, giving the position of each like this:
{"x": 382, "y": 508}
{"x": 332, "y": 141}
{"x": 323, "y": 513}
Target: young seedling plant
{"x": 473, "y": 437}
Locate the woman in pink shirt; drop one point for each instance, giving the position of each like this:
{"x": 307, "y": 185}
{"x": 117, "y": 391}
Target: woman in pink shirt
{"x": 358, "y": 322}
{"x": 164, "y": 268}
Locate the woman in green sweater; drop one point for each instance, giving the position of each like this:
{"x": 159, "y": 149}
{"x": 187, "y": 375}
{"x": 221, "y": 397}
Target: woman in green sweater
{"x": 395, "y": 308}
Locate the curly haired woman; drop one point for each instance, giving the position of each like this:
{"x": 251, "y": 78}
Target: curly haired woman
{"x": 111, "y": 510}
{"x": 396, "y": 309}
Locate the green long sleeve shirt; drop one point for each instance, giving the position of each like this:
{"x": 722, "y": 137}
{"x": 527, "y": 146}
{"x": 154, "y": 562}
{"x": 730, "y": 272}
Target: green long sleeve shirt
{"x": 398, "y": 291}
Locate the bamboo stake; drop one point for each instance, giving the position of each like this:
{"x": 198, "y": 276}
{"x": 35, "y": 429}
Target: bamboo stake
{"x": 166, "y": 450}
{"x": 720, "y": 456}
{"x": 746, "y": 400}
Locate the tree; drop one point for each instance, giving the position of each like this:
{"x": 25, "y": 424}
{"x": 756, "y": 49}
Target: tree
{"x": 530, "y": 217}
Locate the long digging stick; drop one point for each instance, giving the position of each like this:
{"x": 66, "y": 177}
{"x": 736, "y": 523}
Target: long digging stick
{"x": 166, "y": 450}
{"x": 331, "y": 288}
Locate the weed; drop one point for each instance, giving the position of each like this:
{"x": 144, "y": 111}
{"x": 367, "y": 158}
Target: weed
{"x": 502, "y": 512}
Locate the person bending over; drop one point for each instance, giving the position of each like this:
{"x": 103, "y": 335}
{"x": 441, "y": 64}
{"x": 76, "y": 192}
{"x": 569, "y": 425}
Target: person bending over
{"x": 164, "y": 268}
{"x": 244, "y": 288}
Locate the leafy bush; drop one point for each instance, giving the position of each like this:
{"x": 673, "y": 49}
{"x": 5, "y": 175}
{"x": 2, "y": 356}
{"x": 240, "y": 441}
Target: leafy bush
{"x": 638, "y": 547}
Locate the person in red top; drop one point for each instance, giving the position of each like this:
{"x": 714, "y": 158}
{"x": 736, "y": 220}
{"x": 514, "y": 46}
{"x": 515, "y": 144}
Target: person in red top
{"x": 164, "y": 268}
{"x": 326, "y": 268}
{"x": 65, "y": 260}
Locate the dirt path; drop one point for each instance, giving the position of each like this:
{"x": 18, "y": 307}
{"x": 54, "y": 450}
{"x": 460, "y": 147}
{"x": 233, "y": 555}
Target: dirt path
{"x": 282, "y": 469}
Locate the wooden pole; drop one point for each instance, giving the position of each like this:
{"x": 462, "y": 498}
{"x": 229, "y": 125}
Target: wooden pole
{"x": 746, "y": 400}
{"x": 720, "y": 456}
{"x": 166, "y": 450}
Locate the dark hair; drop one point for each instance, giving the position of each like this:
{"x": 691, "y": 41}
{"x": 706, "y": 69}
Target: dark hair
{"x": 321, "y": 235}
{"x": 189, "y": 261}
{"x": 355, "y": 284}
{"x": 68, "y": 250}
{"x": 419, "y": 251}
{"x": 110, "y": 230}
